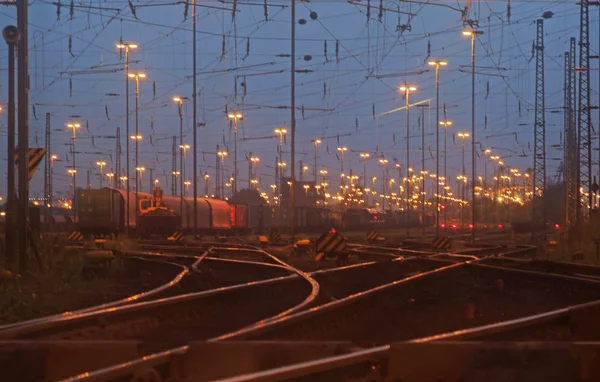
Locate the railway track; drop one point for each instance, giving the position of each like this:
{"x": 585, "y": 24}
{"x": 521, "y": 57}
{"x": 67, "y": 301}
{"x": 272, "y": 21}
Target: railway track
{"x": 469, "y": 295}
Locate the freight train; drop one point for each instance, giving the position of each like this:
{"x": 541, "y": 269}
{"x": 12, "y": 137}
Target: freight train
{"x": 106, "y": 212}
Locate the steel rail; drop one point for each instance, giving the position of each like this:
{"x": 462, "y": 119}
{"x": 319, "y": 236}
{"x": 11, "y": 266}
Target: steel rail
{"x": 290, "y": 319}
{"x": 127, "y": 300}
{"x": 329, "y": 363}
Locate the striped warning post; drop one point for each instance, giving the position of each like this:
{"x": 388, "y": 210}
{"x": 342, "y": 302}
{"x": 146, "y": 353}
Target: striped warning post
{"x": 274, "y": 237}
{"x": 372, "y": 236}
{"x": 177, "y": 236}
{"x": 329, "y": 243}
{"x": 75, "y": 236}
{"x": 34, "y": 158}
{"x": 441, "y": 242}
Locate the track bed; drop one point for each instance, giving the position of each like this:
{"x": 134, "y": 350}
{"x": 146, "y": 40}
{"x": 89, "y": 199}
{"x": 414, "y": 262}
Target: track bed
{"x": 462, "y": 297}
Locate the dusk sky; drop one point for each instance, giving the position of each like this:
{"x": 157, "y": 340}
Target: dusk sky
{"x": 344, "y": 95}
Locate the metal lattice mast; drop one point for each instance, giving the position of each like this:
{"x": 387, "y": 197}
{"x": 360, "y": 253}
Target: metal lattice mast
{"x": 48, "y": 165}
{"x": 118, "y": 150}
{"x": 570, "y": 140}
{"x": 583, "y": 122}
{"x": 174, "y": 168}
{"x": 539, "y": 150}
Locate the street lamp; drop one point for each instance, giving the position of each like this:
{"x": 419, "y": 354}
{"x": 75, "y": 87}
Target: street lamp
{"x": 445, "y": 123}
{"x": 53, "y": 158}
{"x": 101, "y": 164}
{"x": 235, "y": 117}
{"x": 72, "y": 172}
{"x": 437, "y": 64}
{"x": 253, "y": 162}
{"x": 316, "y": 143}
{"x": 342, "y": 150}
{"x": 136, "y": 77}
{"x": 73, "y": 126}
{"x": 110, "y": 177}
{"x": 136, "y": 138}
{"x": 365, "y": 157}
{"x": 184, "y": 148}
{"x": 383, "y": 162}
{"x": 127, "y": 46}
{"x": 221, "y": 155}
{"x": 463, "y": 136}
{"x": 280, "y": 132}
{"x": 473, "y": 33}
{"x": 407, "y": 89}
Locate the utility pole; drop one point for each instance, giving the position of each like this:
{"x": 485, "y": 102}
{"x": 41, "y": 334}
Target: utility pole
{"x": 250, "y": 170}
{"x": 539, "y": 150}
{"x": 118, "y": 158}
{"x": 23, "y": 121}
{"x": 584, "y": 124}
{"x": 195, "y": 119}
{"x": 11, "y": 36}
{"x": 293, "y": 121}
{"x": 47, "y": 171}
{"x": 174, "y": 167}
{"x": 423, "y": 174}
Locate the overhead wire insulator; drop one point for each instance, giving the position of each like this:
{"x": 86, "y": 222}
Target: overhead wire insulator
{"x": 508, "y": 11}
{"x": 356, "y": 123}
{"x": 380, "y": 10}
{"x": 324, "y": 90}
{"x": 325, "y": 50}
{"x": 106, "y": 112}
{"x": 72, "y": 10}
{"x": 223, "y": 44}
{"x": 153, "y": 90}
{"x": 368, "y": 10}
{"x": 70, "y": 87}
{"x": 186, "y": 10}
{"x": 132, "y": 7}
{"x": 247, "y": 48}
{"x": 58, "y": 6}
{"x": 71, "y": 46}
{"x": 337, "y": 50}
{"x": 233, "y": 10}
{"x": 266, "y": 9}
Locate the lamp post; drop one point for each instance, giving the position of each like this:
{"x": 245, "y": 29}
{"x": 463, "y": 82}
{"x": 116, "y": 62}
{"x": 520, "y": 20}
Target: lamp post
{"x": 179, "y": 101}
{"x": 407, "y": 89}
{"x": 316, "y": 143}
{"x": 123, "y": 180}
{"x": 280, "y": 132}
{"x": 383, "y": 162}
{"x": 445, "y": 123}
{"x": 222, "y": 154}
{"x": 342, "y": 150}
{"x": 365, "y": 157}
{"x": 473, "y": 33}
{"x": 206, "y": 178}
{"x": 72, "y": 172}
{"x": 235, "y": 117}
{"x": 437, "y": 64}
{"x": 110, "y": 176}
{"x": 138, "y": 179}
{"x": 127, "y": 47}
{"x": 136, "y": 77}
{"x": 484, "y": 185}
{"x": 101, "y": 164}
{"x": 254, "y": 162}
{"x": 463, "y": 136}
{"x": 184, "y": 148}
{"x": 53, "y": 158}
{"x": 73, "y": 127}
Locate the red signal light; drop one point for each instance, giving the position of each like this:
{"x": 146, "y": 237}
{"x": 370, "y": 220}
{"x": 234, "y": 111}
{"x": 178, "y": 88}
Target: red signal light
{"x": 499, "y": 225}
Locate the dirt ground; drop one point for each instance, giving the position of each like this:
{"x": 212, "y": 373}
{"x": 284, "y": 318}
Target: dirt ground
{"x": 64, "y": 288}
